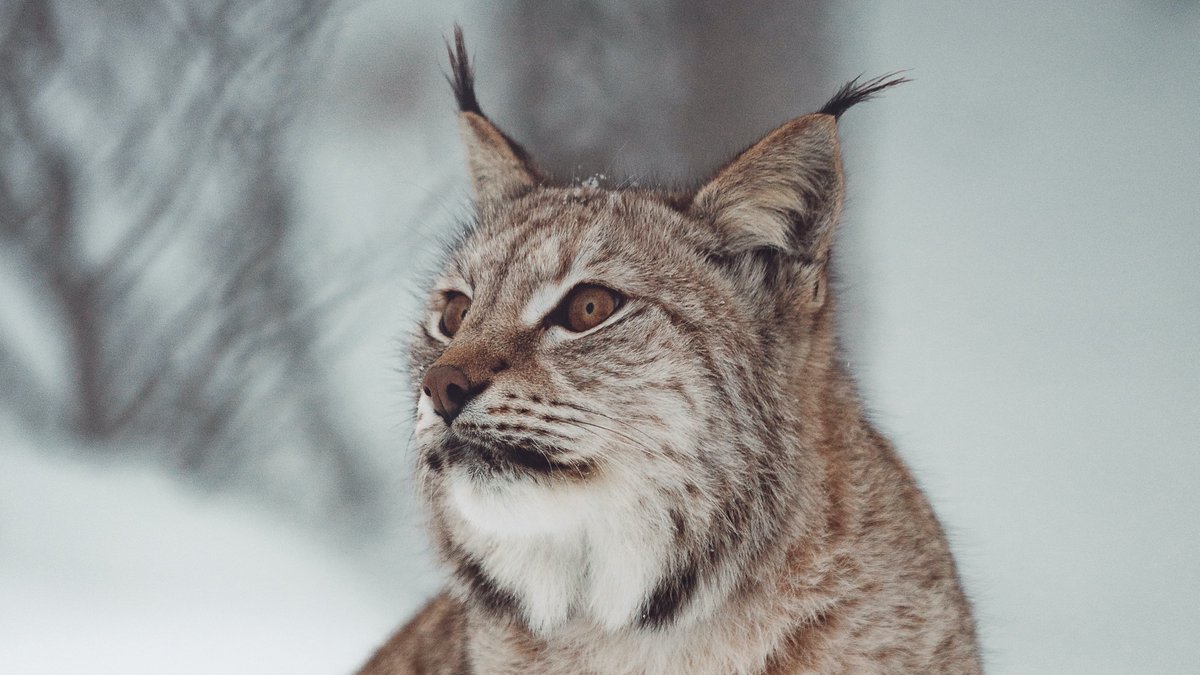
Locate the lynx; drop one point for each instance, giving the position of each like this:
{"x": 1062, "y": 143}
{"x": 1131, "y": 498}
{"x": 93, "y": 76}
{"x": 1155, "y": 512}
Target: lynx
{"x": 637, "y": 445}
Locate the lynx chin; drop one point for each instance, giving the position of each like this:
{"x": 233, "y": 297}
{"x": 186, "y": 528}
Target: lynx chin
{"x": 638, "y": 449}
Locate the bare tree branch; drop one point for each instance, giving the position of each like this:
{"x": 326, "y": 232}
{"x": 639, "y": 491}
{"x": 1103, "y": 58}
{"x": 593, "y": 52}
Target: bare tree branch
{"x": 142, "y": 187}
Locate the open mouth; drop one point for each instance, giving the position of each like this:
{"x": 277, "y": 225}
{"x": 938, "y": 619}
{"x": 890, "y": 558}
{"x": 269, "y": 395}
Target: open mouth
{"x": 499, "y": 458}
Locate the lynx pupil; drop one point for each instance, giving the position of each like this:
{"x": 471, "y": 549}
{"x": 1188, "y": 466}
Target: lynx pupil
{"x": 586, "y": 307}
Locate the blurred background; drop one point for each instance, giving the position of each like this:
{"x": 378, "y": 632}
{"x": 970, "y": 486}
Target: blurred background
{"x": 215, "y": 216}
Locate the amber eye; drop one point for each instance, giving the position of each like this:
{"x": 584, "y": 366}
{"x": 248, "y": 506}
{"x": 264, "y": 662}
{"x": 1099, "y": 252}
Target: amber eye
{"x": 587, "y": 307}
{"x": 457, "y": 305}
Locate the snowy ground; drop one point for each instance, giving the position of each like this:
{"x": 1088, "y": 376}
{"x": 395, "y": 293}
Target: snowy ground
{"x": 124, "y": 570}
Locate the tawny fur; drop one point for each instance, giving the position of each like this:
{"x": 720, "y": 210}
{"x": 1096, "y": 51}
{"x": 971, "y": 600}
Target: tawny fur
{"x": 706, "y": 493}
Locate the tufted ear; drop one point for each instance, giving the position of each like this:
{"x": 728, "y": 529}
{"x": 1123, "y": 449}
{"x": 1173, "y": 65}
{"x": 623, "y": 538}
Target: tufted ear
{"x": 499, "y": 166}
{"x": 784, "y": 193}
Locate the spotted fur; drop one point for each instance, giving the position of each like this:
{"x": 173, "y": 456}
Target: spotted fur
{"x": 691, "y": 486}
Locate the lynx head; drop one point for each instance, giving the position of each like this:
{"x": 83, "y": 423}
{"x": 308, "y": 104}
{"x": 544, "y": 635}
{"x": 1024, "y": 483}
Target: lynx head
{"x": 614, "y": 382}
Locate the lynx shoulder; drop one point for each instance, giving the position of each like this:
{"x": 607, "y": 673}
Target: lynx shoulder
{"x": 637, "y": 447}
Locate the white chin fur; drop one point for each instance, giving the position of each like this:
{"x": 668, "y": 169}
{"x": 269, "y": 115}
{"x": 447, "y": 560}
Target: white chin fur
{"x": 426, "y": 416}
{"x": 592, "y": 547}
{"x": 518, "y": 507}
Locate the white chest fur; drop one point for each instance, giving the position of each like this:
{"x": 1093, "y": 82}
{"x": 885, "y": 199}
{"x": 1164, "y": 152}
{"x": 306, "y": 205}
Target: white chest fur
{"x": 564, "y": 550}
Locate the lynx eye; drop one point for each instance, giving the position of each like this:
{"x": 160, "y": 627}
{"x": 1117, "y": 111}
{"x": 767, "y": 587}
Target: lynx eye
{"x": 586, "y": 307}
{"x": 455, "y": 311}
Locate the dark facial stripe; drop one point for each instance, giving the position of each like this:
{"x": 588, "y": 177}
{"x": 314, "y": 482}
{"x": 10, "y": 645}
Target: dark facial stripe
{"x": 668, "y": 599}
{"x": 484, "y": 589}
{"x": 516, "y": 429}
{"x": 516, "y": 458}
{"x": 540, "y": 463}
{"x": 679, "y": 526}
{"x": 434, "y": 460}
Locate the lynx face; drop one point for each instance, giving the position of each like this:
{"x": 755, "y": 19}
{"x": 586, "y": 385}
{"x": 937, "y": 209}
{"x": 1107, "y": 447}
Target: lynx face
{"x": 608, "y": 433}
{"x": 610, "y": 378}
{"x": 559, "y": 401}
{"x": 635, "y": 443}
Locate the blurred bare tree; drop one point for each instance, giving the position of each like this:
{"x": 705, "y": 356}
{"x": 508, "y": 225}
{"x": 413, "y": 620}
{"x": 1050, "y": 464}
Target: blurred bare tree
{"x": 145, "y": 197}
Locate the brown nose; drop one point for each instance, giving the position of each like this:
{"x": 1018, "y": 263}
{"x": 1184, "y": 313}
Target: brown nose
{"x": 449, "y": 390}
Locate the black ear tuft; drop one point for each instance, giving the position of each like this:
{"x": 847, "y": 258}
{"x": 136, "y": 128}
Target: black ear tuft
{"x": 500, "y": 168}
{"x": 853, "y": 92}
{"x": 462, "y": 77}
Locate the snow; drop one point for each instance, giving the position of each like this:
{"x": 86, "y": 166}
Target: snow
{"x": 120, "y": 569}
